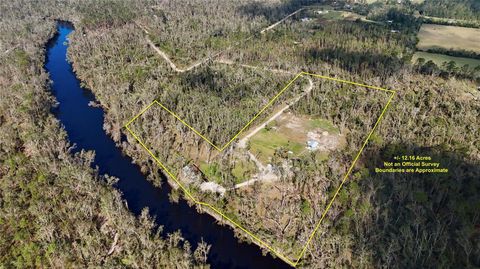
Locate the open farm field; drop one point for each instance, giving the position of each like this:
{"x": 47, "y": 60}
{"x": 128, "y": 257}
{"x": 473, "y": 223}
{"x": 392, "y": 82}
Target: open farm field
{"x": 449, "y": 37}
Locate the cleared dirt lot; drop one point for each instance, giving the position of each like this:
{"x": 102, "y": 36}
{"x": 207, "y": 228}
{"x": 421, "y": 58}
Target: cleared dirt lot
{"x": 292, "y": 133}
{"x": 449, "y": 37}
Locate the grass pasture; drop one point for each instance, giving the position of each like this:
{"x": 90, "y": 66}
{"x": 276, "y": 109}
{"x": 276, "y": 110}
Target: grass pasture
{"x": 449, "y": 37}
{"x": 439, "y": 59}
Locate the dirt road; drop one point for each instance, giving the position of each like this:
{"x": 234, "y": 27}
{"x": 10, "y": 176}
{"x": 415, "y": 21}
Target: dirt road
{"x": 243, "y": 142}
{"x": 173, "y": 65}
{"x": 280, "y": 21}
{"x": 180, "y": 70}
{"x": 265, "y": 173}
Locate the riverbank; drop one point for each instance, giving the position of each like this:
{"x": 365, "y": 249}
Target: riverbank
{"x": 181, "y": 215}
{"x": 55, "y": 209}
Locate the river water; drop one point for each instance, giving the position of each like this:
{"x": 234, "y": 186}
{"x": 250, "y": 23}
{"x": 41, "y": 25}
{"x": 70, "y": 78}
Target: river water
{"x": 84, "y": 128}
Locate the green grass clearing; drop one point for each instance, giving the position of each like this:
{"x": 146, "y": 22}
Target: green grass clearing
{"x": 439, "y": 59}
{"x": 292, "y": 133}
{"x": 243, "y": 170}
{"x": 322, "y": 124}
{"x": 211, "y": 171}
{"x": 265, "y": 142}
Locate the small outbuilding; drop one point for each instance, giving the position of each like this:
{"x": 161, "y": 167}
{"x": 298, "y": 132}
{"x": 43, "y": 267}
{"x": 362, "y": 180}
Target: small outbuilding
{"x": 312, "y": 144}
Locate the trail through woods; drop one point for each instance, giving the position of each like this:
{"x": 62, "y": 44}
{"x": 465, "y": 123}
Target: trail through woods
{"x": 173, "y": 65}
{"x": 265, "y": 173}
{"x": 273, "y": 70}
{"x": 165, "y": 56}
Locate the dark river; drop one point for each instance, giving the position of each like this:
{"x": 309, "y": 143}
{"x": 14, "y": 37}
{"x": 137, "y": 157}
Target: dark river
{"x": 84, "y": 128}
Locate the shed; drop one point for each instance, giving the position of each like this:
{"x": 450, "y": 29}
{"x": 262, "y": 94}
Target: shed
{"x": 312, "y": 144}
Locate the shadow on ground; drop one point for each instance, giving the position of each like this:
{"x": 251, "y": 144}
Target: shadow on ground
{"x": 275, "y": 12}
{"x": 356, "y": 62}
{"x": 414, "y": 220}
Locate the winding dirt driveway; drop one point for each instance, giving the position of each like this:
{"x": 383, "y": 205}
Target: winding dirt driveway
{"x": 265, "y": 173}
{"x": 243, "y": 141}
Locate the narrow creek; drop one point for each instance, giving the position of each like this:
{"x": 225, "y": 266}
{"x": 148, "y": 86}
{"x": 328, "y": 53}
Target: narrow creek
{"x": 83, "y": 125}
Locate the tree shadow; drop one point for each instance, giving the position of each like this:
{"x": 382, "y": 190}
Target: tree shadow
{"x": 275, "y": 12}
{"x": 358, "y": 62}
{"x": 408, "y": 220}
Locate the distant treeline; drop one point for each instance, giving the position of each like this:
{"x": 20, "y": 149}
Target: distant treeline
{"x": 447, "y": 69}
{"x": 461, "y": 23}
{"x": 453, "y": 9}
{"x": 455, "y": 53}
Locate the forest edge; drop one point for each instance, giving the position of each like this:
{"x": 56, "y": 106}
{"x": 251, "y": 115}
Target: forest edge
{"x": 235, "y": 224}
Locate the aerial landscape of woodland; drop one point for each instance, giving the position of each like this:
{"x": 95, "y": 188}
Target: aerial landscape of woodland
{"x": 276, "y": 114}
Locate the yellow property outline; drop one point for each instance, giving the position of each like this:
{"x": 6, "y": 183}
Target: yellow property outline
{"x": 261, "y": 242}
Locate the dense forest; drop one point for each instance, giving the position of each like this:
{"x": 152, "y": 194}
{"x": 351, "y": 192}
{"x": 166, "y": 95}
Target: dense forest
{"x": 308, "y": 44}
{"x": 361, "y": 51}
{"x": 55, "y": 210}
{"x": 378, "y": 220}
{"x": 453, "y": 9}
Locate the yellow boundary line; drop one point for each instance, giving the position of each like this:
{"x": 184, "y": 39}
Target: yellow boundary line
{"x": 261, "y": 242}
